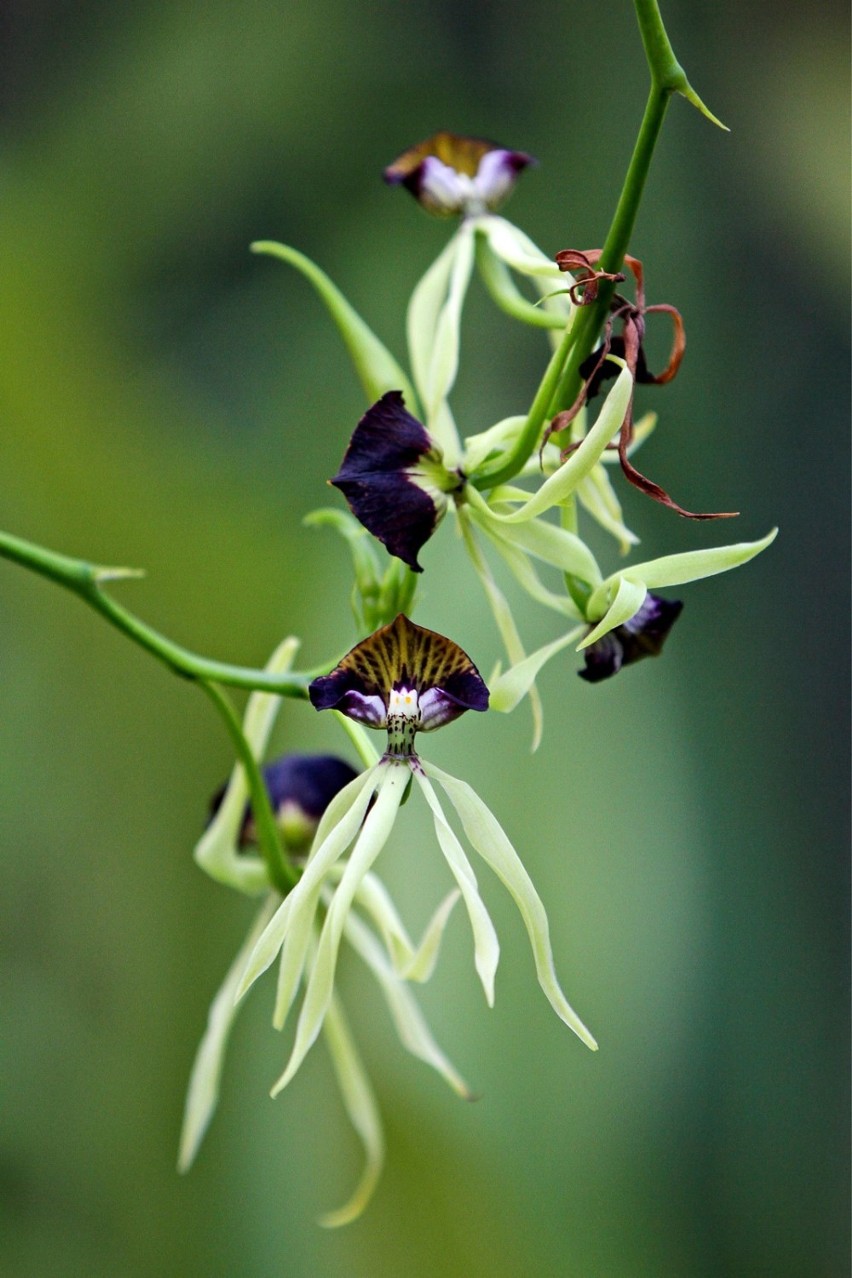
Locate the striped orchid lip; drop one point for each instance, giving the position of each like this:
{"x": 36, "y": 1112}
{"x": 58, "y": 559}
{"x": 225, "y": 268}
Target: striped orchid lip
{"x": 404, "y": 678}
{"x": 449, "y": 174}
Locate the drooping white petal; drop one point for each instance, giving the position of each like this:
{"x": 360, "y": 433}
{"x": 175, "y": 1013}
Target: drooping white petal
{"x": 370, "y": 841}
{"x": 674, "y": 570}
{"x": 514, "y": 684}
{"x": 216, "y": 851}
{"x": 414, "y": 1033}
{"x": 360, "y": 1105}
{"x": 203, "y": 1092}
{"x": 629, "y": 598}
{"x": 412, "y": 963}
{"x": 339, "y": 825}
{"x": 493, "y": 845}
{"x": 486, "y": 947}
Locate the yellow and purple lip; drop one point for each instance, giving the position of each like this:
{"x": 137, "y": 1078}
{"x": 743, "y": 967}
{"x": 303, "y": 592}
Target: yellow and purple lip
{"x": 448, "y": 174}
{"x": 404, "y": 678}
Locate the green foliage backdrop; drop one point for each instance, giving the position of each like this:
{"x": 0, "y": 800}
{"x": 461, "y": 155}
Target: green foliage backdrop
{"x": 169, "y": 401}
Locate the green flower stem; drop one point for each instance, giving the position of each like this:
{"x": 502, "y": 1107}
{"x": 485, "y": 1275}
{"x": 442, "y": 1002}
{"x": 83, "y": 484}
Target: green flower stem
{"x": 282, "y": 874}
{"x": 86, "y": 580}
{"x": 508, "y": 464}
{"x": 667, "y": 77}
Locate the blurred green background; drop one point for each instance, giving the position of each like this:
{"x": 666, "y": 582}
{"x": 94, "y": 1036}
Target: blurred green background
{"x": 167, "y": 400}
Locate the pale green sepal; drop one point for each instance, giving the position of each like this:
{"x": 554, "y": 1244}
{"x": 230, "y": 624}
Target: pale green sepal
{"x": 338, "y": 827}
{"x": 376, "y": 368}
{"x": 629, "y": 598}
{"x": 675, "y": 570}
{"x": 216, "y": 851}
{"x": 433, "y": 325}
{"x": 411, "y": 963}
{"x": 596, "y": 495}
{"x": 410, "y": 1024}
{"x": 505, "y": 292}
{"x": 512, "y": 686}
{"x": 203, "y": 1092}
{"x": 423, "y": 311}
{"x": 498, "y": 438}
{"x": 294, "y": 953}
{"x": 527, "y": 577}
{"x": 360, "y": 1105}
{"x": 493, "y": 845}
{"x": 560, "y": 485}
{"x": 501, "y": 612}
{"x": 552, "y": 545}
{"x": 510, "y": 245}
{"x": 486, "y": 947}
{"x": 371, "y": 839}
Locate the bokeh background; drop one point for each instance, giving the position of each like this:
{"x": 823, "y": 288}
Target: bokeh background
{"x": 168, "y": 400}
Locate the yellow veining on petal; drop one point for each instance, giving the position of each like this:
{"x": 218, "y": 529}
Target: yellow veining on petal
{"x": 460, "y": 153}
{"x": 403, "y": 655}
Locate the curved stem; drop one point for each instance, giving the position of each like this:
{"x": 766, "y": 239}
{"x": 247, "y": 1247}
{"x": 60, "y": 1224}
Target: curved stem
{"x": 86, "y": 580}
{"x": 282, "y": 875}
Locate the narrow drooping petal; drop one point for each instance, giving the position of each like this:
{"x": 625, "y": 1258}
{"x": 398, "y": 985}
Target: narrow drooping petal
{"x": 403, "y": 677}
{"x": 363, "y": 1112}
{"x": 393, "y": 478}
{"x": 486, "y": 945}
{"x": 371, "y": 839}
{"x": 643, "y": 635}
{"x": 493, "y": 845}
{"x": 330, "y": 843}
{"x": 203, "y": 1092}
{"x": 411, "y": 962}
{"x": 414, "y": 1033}
{"x": 449, "y": 174}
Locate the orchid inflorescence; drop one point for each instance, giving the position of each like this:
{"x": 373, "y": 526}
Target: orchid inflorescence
{"x": 304, "y": 833}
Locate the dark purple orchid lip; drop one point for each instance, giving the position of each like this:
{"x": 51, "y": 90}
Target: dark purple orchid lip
{"x": 402, "y": 670}
{"x": 306, "y": 783}
{"x": 642, "y": 636}
{"x": 385, "y": 478}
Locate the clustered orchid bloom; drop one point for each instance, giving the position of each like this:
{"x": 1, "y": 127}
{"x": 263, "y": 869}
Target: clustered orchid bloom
{"x": 403, "y": 679}
{"x": 407, "y": 465}
{"x": 304, "y": 833}
{"x": 514, "y": 487}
